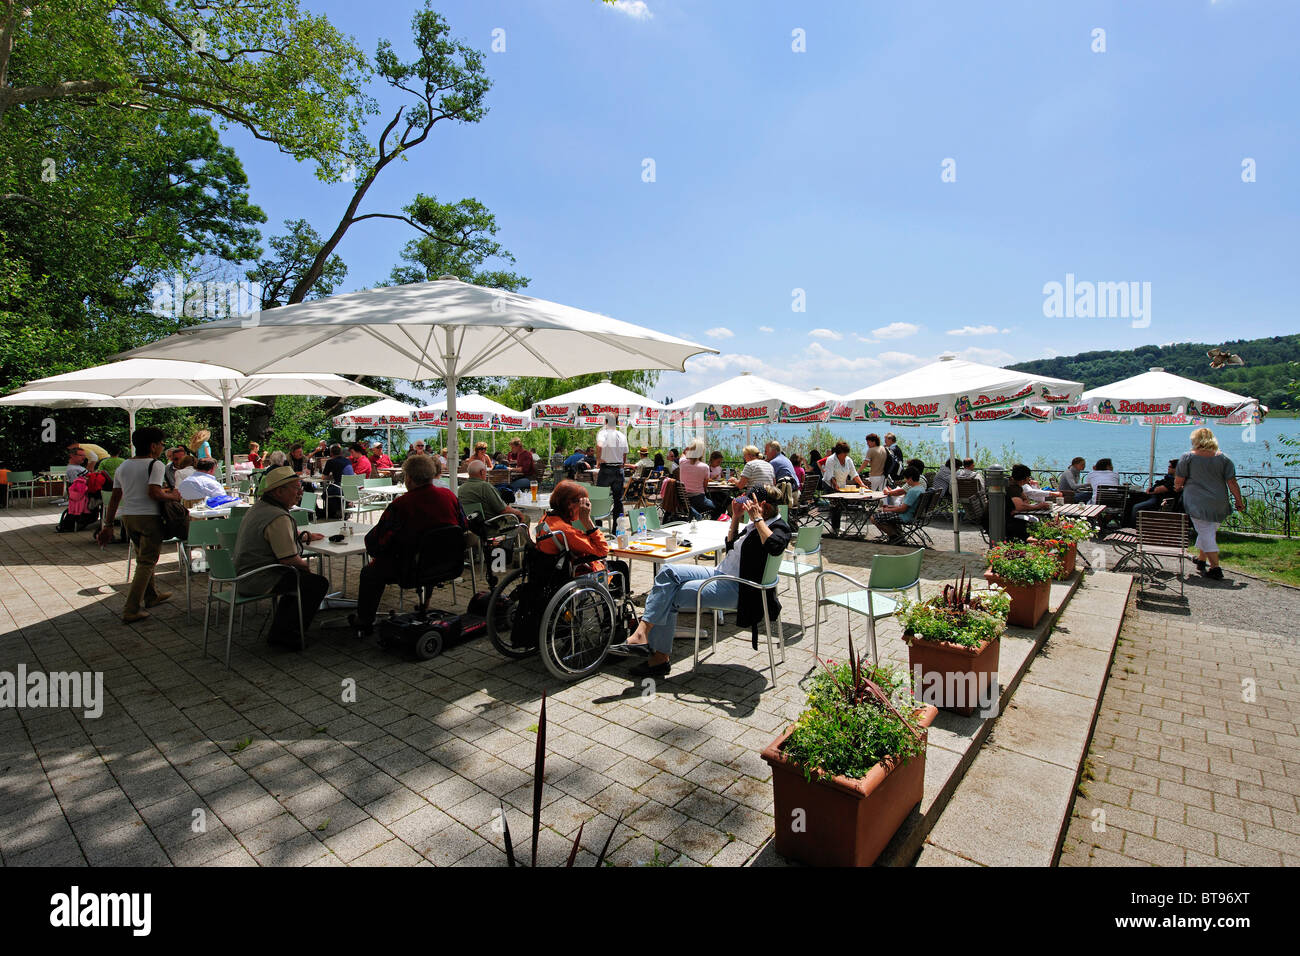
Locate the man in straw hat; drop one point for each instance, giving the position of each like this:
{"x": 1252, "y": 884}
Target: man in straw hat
{"x": 268, "y": 536}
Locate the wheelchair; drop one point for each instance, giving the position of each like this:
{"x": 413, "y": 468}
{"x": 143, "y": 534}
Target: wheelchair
{"x": 551, "y": 607}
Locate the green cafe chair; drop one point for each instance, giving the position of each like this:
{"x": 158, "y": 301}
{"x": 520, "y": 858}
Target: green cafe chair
{"x": 807, "y": 544}
{"x": 891, "y": 573}
{"x": 771, "y": 578}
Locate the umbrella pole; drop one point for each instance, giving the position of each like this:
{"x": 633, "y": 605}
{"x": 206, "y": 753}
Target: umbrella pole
{"x": 225, "y": 435}
{"x": 966, "y": 425}
{"x": 952, "y": 487}
{"x": 449, "y": 374}
{"x": 130, "y": 426}
{"x": 1151, "y": 459}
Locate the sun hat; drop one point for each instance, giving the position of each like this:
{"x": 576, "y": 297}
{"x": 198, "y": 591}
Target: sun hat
{"x": 276, "y": 478}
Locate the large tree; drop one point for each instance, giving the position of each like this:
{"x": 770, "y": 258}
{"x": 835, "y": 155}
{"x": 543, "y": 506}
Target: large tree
{"x": 286, "y": 76}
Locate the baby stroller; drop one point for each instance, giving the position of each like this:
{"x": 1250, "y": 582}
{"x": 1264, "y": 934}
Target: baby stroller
{"x": 557, "y": 607}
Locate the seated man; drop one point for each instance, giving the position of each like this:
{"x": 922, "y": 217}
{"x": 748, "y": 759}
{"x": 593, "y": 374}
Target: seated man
{"x": 391, "y": 543}
{"x": 575, "y": 463}
{"x": 973, "y": 505}
{"x": 677, "y": 585}
{"x": 203, "y": 483}
{"x": 1102, "y": 476}
{"x": 360, "y": 460}
{"x": 758, "y": 471}
{"x": 1021, "y": 509}
{"x": 1071, "y": 484}
{"x": 78, "y": 464}
{"x": 889, "y": 518}
{"x": 476, "y": 490}
{"x": 943, "y": 476}
{"x": 1155, "y": 496}
{"x": 335, "y": 467}
{"x": 526, "y": 462}
{"x": 782, "y": 468}
{"x": 377, "y": 457}
{"x": 838, "y": 473}
{"x": 268, "y": 536}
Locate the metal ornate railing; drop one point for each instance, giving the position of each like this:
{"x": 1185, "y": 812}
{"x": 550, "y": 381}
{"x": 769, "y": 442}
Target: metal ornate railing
{"x": 1272, "y": 501}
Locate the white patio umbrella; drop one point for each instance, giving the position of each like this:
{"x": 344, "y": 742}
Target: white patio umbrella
{"x": 953, "y": 390}
{"x": 750, "y": 400}
{"x": 1157, "y": 397}
{"x": 474, "y": 411}
{"x": 384, "y": 413}
{"x": 441, "y": 329}
{"x": 130, "y": 403}
{"x": 143, "y": 376}
{"x": 588, "y": 407}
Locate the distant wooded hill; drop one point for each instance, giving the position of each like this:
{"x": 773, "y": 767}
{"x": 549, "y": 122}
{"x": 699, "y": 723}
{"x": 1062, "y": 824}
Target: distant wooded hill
{"x": 1264, "y": 376}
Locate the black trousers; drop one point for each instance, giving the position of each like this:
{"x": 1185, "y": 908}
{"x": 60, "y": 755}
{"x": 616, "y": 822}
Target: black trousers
{"x": 611, "y": 476}
{"x": 374, "y": 578}
{"x": 313, "y": 587}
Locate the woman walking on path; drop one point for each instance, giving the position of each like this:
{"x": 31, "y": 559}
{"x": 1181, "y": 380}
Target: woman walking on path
{"x": 1205, "y": 477}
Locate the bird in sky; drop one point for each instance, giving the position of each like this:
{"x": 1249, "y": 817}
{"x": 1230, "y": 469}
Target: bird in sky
{"x": 1220, "y": 357}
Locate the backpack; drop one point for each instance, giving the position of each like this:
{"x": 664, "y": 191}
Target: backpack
{"x": 79, "y": 496}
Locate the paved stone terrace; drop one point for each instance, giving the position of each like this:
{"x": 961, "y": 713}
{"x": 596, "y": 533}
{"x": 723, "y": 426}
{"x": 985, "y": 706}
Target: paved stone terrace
{"x": 1196, "y": 752}
{"x": 412, "y": 773}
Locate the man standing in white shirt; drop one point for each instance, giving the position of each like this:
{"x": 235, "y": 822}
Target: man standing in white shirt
{"x": 611, "y": 452}
{"x": 837, "y": 474}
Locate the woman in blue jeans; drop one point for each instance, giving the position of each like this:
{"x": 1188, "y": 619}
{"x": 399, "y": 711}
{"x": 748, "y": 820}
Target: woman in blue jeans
{"x": 677, "y": 585}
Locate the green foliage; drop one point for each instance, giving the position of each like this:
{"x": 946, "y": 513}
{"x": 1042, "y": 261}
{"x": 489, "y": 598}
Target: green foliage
{"x": 857, "y": 716}
{"x": 458, "y": 243}
{"x": 958, "y": 615}
{"x": 1029, "y": 563}
{"x": 286, "y": 76}
{"x": 1266, "y": 375}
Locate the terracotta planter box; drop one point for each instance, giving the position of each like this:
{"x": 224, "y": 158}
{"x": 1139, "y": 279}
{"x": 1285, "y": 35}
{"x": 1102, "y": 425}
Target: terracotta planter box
{"x": 844, "y": 822}
{"x": 975, "y": 671}
{"x": 1028, "y": 601}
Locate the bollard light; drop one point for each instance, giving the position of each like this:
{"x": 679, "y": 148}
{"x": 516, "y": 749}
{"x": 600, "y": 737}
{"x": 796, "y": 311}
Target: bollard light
{"x": 995, "y": 481}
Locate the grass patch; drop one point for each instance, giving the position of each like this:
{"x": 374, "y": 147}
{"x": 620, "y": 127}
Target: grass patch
{"x": 1274, "y": 559}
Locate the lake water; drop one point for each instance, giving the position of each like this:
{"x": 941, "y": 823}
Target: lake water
{"x": 1047, "y": 444}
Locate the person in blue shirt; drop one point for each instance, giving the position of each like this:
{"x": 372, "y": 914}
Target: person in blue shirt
{"x": 575, "y": 461}
{"x": 889, "y": 518}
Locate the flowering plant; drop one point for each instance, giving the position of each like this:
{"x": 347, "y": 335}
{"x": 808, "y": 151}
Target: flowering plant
{"x": 858, "y": 715}
{"x": 959, "y": 615}
{"x": 1028, "y": 563}
{"x": 1065, "y": 530}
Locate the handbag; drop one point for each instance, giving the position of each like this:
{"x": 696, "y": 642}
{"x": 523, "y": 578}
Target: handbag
{"x": 175, "y": 519}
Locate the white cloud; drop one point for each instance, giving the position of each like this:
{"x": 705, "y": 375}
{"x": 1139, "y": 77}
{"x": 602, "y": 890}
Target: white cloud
{"x": 976, "y": 330}
{"x": 636, "y": 9}
{"x": 896, "y": 330}
{"x": 766, "y": 328}
{"x": 720, "y": 332}
{"x": 825, "y": 334}
{"x": 986, "y": 356}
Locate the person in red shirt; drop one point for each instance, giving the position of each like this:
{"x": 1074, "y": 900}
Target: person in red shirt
{"x": 360, "y": 463}
{"x": 395, "y": 536}
{"x": 254, "y": 454}
{"x": 377, "y": 457}
{"x": 526, "y": 462}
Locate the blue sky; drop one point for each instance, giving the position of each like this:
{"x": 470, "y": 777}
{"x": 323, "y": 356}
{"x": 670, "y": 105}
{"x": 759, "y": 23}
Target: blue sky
{"x": 821, "y": 171}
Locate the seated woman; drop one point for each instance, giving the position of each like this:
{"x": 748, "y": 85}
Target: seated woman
{"x": 715, "y": 466}
{"x": 799, "y": 473}
{"x": 570, "y": 516}
{"x": 394, "y": 538}
{"x": 693, "y": 474}
{"x": 1021, "y": 508}
{"x": 1102, "y": 475}
{"x": 677, "y": 586}
{"x": 658, "y": 469}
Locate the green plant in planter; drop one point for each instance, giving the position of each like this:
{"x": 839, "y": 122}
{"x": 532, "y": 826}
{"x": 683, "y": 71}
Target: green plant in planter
{"x": 958, "y": 615}
{"x": 1023, "y": 564}
{"x": 858, "y": 715}
{"x": 1062, "y": 529}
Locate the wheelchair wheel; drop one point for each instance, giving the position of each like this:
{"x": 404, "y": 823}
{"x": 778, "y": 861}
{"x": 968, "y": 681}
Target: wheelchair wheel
{"x": 500, "y": 615}
{"x": 577, "y": 629}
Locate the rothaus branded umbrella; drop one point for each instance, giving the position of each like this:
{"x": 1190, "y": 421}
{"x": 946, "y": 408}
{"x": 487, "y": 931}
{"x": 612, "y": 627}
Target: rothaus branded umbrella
{"x": 385, "y": 413}
{"x": 130, "y": 404}
{"x": 1157, "y": 398}
{"x": 749, "y": 400}
{"x": 590, "y": 407}
{"x": 443, "y": 329}
{"x": 952, "y": 391}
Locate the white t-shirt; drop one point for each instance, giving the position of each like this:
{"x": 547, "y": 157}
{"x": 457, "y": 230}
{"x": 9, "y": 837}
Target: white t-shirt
{"x": 134, "y": 476}
{"x": 201, "y": 484}
{"x": 731, "y": 561}
{"x": 758, "y": 473}
{"x": 842, "y": 475}
{"x": 612, "y": 445}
